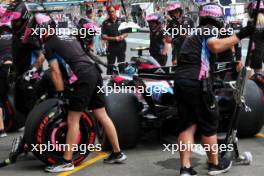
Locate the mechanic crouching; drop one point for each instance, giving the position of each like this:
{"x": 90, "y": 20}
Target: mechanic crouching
{"x": 197, "y": 105}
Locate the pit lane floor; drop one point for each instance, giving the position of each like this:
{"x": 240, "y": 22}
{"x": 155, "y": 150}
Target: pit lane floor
{"x": 148, "y": 159}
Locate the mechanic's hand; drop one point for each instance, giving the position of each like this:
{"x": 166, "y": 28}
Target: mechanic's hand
{"x": 174, "y": 62}
{"x": 118, "y": 38}
{"x": 164, "y": 53}
{"x": 246, "y": 31}
{"x": 121, "y": 38}
{"x": 239, "y": 66}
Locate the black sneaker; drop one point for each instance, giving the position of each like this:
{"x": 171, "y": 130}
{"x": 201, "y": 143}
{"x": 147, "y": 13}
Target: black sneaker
{"x": 223, "y": 166}
{"x": 60, "y": 167}
{"x": 115, "y": 158}
{"x": 187, "y": 171}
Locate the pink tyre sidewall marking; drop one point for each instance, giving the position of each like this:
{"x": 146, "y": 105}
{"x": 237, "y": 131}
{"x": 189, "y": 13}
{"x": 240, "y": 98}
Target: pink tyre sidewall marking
{"x": 53, "y": 136}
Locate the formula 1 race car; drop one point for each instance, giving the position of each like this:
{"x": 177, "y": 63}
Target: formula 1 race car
{"x": 146, "y": 109}
{"x": 133, "y": 113}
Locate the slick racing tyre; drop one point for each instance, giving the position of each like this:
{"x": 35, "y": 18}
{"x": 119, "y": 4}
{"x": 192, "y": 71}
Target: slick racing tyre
{"x": 123, "y": 109}
{"x": 250, "y": 123}
{"x": 46, "y": 125}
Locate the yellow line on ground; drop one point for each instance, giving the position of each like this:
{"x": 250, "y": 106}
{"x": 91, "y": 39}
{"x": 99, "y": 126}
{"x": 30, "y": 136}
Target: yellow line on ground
{"x": 98, "y": 157}
{"x": 260, "y": 135}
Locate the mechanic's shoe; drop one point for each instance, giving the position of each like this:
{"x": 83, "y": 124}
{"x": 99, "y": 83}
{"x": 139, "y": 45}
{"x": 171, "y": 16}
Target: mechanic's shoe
{"x": 223, "y": 166}
{"x": 60, "y": 167}
{"x": 187, "y": 172}
{"x": 115, "y": 158}
{"x": 2, "y": 133}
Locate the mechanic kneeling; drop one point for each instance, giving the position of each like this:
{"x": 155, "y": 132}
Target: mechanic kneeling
{"x": 197, "y": 106}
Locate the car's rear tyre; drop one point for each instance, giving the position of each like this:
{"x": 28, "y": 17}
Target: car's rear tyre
{"x": 46, "y": 124}
{"x": 250, "y": 123}
{"x": 123, "y": 109}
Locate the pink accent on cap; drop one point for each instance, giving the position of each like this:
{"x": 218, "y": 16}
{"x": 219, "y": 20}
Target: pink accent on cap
{"x": 151, "y": 18}
{"x": 255, "y": 5}
{"x": 2, "y": 10}
{"x": 211, "y": 10}
{"x": 41, "y": 18}
{"x": 173, "y": 6}
{"x": 91, "y": 26}
{"x": 8, "y": 16}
